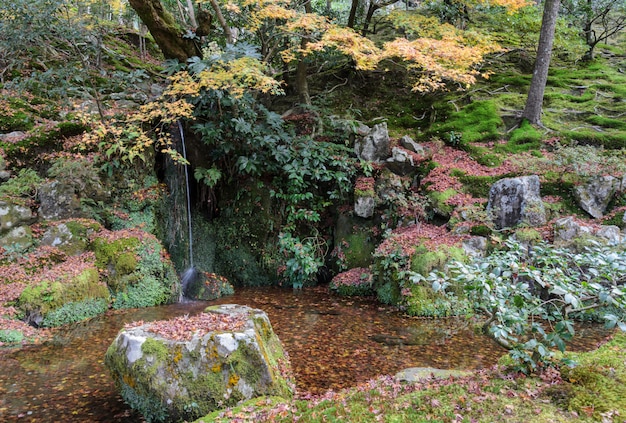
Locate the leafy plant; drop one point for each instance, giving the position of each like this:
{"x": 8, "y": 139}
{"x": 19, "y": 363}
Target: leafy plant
{"x": 304, "y": 258}
{"x": 22, "y": 185}
{"x": 531, "y": 296}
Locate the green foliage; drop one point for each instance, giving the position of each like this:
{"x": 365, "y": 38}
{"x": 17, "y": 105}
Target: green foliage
{"x": 24, "y": 184}
{"x": 11, "y": 336}
{"x": 530, "y": 295}
{"x": 75, "y": 312}
{"x": 77, "y": 172}
{"x": 304, "y": 259}
{"x": 48, "y": 296}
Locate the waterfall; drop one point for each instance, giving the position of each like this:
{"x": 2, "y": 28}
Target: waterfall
{"x": 188, "y": 275}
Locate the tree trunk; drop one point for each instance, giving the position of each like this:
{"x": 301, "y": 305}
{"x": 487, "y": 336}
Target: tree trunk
{"x": 302, "y": 85}
{"x": 534, "y": 102}
{"x": 164, "y": 29}
{"x": 220, "y": 18}
{"x": 352, "y": 16}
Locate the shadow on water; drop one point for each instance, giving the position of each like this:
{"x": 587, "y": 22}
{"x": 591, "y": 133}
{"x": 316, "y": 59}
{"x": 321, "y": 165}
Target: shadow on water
{"x": 333, "y": 343}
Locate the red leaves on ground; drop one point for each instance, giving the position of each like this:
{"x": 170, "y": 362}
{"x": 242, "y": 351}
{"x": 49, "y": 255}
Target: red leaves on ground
{"x": 183, "y": 328}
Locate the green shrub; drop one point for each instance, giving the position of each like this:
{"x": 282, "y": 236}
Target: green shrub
{"x": 24, "y": 184}
{"x": 75, "y": 312}
{"x": 11, "y": 336}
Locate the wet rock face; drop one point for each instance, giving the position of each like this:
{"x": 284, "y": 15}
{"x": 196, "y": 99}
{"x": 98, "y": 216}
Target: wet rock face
{"x": 516, "y": 200}
{"x": 172, "y": 372}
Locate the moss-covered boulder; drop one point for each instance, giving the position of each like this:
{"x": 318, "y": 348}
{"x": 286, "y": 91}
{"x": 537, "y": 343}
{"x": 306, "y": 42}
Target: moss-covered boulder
{"x": 403, "y": 261}
{"x": 71, "y": 236}
{"x": 64, "y": 292}
{"x": 136, "y": 268}
{"x": 184, "y": 368}
{"x": 14, "y": 215}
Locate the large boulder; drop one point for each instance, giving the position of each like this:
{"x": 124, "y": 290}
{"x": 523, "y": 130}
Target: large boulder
{"x": 184, "y": 368}
{"x": 595, "y": 195}
{"x": 14, "y": 215}
{"x": 516, "y": 200}
{"x": 375, "y": 145}
{"x": 58, "y": 201}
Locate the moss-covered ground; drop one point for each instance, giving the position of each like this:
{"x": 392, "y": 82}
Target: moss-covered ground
{"x": 591, "y": 390}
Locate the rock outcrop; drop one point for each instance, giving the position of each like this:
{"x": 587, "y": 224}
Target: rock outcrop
{"x": 185, "y": 368}
{"x": 375, "y": 145}
{"x": 516, "y": 200}
{"x": 594, "y": 196}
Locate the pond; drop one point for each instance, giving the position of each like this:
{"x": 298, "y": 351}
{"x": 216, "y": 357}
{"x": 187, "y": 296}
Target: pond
{"x": 333, "y": 343}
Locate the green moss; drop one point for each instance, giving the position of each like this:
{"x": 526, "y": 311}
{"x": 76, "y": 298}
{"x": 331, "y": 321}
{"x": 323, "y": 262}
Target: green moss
{"x": 155, "y": 348}
{"x": 425, "y": 302}
{"x": 425, "y": 261}
{"x": 528, "y": 235}
{"x": 607, "y": 122}
{"x": 477, "y": 122}
{"x": 481, "y": 230}
{"x": 524, "y": 138}
{"x": 438, "y": 201}
{"x": 478, "y": 186}
{"x": 51, "y": 295}
{"x": 126, "y": 263}
{"x": 597, "y": 383}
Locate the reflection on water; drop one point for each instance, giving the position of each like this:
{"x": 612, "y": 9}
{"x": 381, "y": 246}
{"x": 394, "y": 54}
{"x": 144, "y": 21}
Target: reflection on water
{"x": 333, "y": 343}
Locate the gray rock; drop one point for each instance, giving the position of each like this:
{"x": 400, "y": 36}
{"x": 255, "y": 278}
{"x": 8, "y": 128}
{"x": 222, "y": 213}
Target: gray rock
{"x": 5, "y": 175}
{"x": 375, "y": 145}
{"x": 610, "y": 233}
{"x": 12, "y": 136}
{"x": 408, "y": 143}
{"x": 212, "y": 369}
{"x": 58, "y": 201}
{"x": 14, "y": 215}
{"x": 57, "y": 235}
{"x": 364, "y": 207}
{"x": 516, "y": 200}
{"x": 415, "y": 374}
{"x": 594, "y": 196}
{"x": 566, "y": 230}
{"x": 475, "y": 246}
{"x": 19, "y": 238}
{"x": 401, "y": 162}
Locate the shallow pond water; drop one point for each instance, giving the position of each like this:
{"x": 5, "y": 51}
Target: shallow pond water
{"x": 333, "y": 343}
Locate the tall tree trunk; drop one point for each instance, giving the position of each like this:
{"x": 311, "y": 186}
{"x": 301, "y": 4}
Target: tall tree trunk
{"x": 164, "y": 29}
{"x": 302, "y": 85}
{"x": 534, "y": 102}
{"x": 352, "y": 17}
{"x": 220, "y": 18}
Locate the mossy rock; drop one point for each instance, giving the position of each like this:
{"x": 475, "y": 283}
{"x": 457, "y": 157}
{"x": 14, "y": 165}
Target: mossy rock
{"x": 174, "y": 379}
{"x": 354, "y": 242}
{"x": 136, "y": 268}
{"x": 70, "y": 286}
{"x": 439, "y": 200}
{"x": 424, "y": 261}
{"x": 208, "y": 286}
{"x": 70, "y": 236}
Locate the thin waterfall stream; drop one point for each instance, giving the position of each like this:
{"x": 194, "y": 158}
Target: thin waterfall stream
{"x": 190, "y": 273}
